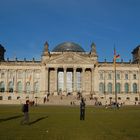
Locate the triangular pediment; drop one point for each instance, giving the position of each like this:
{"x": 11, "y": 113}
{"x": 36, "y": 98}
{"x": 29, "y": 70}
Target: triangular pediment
{"x": 70, "y": 58}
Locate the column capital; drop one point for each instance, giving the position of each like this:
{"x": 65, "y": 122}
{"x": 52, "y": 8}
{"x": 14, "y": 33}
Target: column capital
{"x": 74, "y": 68}
{"x": 83, "y": 69}
{"x": 65, "y": 80}
{"x": 92, "y": 69}
{"x": 65, "y": 68}
{"x": 55, "y": 68}
{"x": 46, "y": 68}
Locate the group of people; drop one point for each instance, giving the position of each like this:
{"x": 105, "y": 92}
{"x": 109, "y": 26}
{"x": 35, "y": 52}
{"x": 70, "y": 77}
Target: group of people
{"x": 25, "y": 110}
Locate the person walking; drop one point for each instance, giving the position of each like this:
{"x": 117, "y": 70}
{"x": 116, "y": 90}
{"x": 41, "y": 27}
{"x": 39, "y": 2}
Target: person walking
{"x": 82, "y": 109}
{"x": 25, "y": 110}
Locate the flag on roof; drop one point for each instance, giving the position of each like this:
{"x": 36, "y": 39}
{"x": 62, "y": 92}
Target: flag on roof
{"x": 116, "y": 56}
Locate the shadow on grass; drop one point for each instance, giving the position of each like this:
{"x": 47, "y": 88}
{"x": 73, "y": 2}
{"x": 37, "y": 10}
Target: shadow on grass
{"x": 11, "y": 118}
{"x": 37, "y": 120}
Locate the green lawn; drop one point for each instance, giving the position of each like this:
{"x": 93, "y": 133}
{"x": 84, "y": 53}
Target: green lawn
{"x": 62, "y": 123}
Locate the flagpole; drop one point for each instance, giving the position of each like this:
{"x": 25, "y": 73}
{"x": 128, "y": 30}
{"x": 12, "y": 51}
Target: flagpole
{"x": 115, "y": 82}
{"x": 115, "y": 79}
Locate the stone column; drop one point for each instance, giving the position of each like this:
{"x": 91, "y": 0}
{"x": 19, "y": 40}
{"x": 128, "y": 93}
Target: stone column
{"x": 105, "y": 87}
{"x": 56, "y": 82}
{"x": 122, "y": 81}
{"x": 47, "y": 79}
{"x": 92, "y": 80}
{"x": 24, "y": 81}
{"x": 65, "y": 81}
{"x": 6, "y": 82}
{"x": 113, "y": 86}
{"x": 96, "y": 80}
{"x": 15, "y": 81}
{"x": 32, "y": 83}
{"x": 83, "y": 79}
{"x": 130, "y": 85}
{"x": 74, "y": 81}
{"x": 138, "y": 86}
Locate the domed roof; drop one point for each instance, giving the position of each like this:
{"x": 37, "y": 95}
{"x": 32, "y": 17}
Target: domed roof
{"x": 68, "y": 47}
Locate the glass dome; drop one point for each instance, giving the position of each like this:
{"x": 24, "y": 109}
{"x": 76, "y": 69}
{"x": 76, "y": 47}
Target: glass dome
{"x": 68, "y": 47}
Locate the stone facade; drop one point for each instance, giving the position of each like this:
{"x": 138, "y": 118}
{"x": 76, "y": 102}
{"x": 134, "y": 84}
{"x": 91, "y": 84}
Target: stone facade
{"x": 68, "y": 73}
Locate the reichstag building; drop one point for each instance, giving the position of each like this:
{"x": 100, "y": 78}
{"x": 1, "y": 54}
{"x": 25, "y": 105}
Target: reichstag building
{"x": 69, "y": 70}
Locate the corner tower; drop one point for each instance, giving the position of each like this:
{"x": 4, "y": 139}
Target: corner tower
{"x": 2, "y": 51}
{"x": 136, "y": 54}
{"x": 45, "y": 54}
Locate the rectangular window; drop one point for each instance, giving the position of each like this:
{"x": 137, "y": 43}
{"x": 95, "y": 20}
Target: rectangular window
{"x": 109, "y": 76}
{"x": 134, "y": 76}
{"x": 28, "y": 74}
{"x": 101, "y": 76}
{"x": 126, "y": 76}
{"x": 11, "y": 74}
{"x": 37, "y": 75}
{"x": 118, "y": 76}
{"x": 20, "y": 75}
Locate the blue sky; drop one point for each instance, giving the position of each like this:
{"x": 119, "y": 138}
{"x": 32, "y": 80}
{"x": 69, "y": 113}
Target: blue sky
{"x": 26, "y": 25}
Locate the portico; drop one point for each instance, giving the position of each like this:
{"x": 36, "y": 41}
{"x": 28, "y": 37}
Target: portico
{"x": 68, "y": 80}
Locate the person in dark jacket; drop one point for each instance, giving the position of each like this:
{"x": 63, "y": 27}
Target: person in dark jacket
{"x": 25, "y": 110}
{"x": 82, "y": 109}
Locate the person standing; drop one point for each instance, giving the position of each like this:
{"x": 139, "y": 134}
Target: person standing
{"x": 82, "y": 109}
{"x": 45, "y": 98}
{"x": 25, "y": 110}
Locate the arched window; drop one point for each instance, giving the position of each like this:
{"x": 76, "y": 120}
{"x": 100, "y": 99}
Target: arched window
{"x": 27, "y": 87}
{"x": 126, "y": 87}
{"x": 135, "y": 88}
{"x": 19, "y": 87}
{"x": 118, "y": 88}
{"x": 101, "y": 88}
{"x": 2, "y": 86}
{"x": 109, "y": 87}
{"x": 10, "y": 86}
{"x": 36, "y": 87}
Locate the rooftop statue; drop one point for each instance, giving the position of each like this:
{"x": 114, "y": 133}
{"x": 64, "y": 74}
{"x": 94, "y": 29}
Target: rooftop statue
{"x": 46, "y": 46}
{"x": 93, "y": 48}
{"x": 46, "y": 49}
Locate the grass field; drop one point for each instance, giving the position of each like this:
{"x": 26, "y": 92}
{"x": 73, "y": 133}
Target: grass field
{"x": 62, "y": 123}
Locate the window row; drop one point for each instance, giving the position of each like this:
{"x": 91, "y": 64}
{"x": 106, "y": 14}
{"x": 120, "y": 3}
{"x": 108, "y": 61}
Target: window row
{"x": 20, "y": 74}
{"x": 10, "y": 97}
{"x": 118, "y": 76}
{"x": 118, "y": 88}
{"x": 19, "y": 87}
